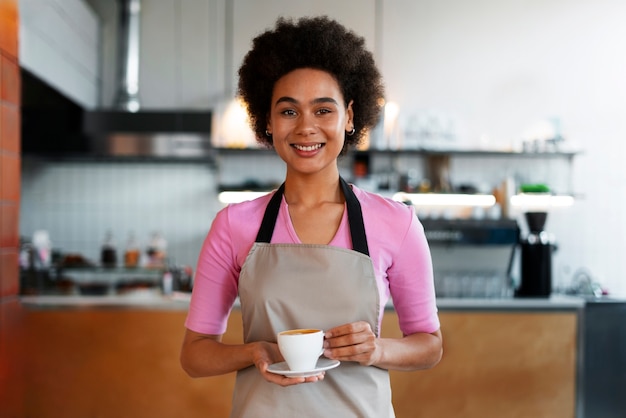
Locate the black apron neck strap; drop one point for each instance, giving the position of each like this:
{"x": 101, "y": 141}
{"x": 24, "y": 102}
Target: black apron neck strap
{"x": 269, "y": 218}
{"x": 355, "y": 218}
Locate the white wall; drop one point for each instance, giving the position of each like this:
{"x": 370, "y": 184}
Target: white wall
{"x": 182, "y": 45}
{"x": 251, "y": 17}
{"x": 497, "y": 67}
{"x": 59, "y": 43}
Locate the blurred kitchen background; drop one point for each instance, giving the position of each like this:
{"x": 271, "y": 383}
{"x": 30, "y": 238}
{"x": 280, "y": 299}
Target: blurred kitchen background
{"x": 120, "y": 139}
{"x": 493, "y": 95}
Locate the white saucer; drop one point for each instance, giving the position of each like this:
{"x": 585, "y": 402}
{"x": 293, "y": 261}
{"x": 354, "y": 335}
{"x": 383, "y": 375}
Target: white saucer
{"x": 322, "y": 364}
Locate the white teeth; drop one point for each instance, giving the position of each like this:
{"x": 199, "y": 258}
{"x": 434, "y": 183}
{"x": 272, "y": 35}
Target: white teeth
{"x": 307, "y": 148}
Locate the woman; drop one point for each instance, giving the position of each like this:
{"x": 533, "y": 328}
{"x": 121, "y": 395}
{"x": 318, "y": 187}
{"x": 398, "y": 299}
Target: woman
{"x": 317, "y": 252}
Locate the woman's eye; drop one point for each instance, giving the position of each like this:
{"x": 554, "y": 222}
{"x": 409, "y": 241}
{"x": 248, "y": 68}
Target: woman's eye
{"x": 323, "y": 111}
{"x": 288, "y": 112}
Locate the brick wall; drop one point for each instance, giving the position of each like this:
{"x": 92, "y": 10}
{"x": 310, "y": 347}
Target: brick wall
{"x": 11, "y": 393}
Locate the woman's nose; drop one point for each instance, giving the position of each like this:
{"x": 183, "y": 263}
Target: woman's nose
{"x": 306, "y": 125}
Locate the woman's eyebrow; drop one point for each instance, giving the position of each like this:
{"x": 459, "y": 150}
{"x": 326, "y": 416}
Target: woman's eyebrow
{"x": 324, "y": 100}
{"x": 314, "y": 101}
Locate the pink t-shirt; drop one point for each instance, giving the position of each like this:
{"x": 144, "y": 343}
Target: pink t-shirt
{"x": 397, "y": 246}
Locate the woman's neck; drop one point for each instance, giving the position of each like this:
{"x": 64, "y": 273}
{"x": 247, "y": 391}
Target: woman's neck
{"x": 313, "y": 190}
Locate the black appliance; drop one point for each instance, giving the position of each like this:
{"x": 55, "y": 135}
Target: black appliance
{"x": 536, "y": 258}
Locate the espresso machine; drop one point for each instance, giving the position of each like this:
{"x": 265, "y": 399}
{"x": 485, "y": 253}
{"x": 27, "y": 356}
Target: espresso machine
{"x": 472, "y": 257}
{"x": 536, "y": 258}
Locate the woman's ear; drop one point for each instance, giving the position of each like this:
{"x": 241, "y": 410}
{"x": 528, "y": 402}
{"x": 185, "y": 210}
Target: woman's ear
{"x": 349, "y": 117}
{"x": 268, "y": 125}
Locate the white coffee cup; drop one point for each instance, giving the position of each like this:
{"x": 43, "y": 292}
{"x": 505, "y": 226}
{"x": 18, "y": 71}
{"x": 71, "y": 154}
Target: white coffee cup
{"x": 301, "y": 348}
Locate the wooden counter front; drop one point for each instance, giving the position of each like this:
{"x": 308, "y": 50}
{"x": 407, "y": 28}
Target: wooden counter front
{"x": 117, "y": 363}
{"x": 495, "y": 365}
{"x": 124, "y": 363}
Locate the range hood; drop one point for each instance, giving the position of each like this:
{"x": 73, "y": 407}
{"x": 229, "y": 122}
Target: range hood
{"x": 148, "y": 134}
{"x": 55, "y": 126}
{"x": 127, "y": 130}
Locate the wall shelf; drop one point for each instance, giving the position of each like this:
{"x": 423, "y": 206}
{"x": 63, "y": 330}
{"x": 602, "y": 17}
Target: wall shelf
{"x": 471, "y": 153}
{"x": 423, "y": 152}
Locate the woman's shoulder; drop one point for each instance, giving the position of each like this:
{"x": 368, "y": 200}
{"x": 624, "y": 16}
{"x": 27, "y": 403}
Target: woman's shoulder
{"x": 385, "y": 214}
{"x": 382, "y": 205}
{"x": 243, "y": 215}
{"x": 248, "y": 207}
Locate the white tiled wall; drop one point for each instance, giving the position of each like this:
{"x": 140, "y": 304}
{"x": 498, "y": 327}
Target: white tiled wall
{"x": 78, "y": 202}
{"x": 266, "y": 167}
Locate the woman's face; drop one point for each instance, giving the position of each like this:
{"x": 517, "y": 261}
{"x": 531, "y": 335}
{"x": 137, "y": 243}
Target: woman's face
{"x": 308, "y": 120}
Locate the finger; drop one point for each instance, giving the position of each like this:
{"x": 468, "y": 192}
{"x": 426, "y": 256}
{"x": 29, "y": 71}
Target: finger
{"x": 262, "y": 366}
{"x": 340, "y": 330}
{"x": 350, "y": 340}
{"x": 316, "y": 378}
{"x": 347, "y": 329}
{"x": 351, "y": 352}
{"x": 290, "y": 381}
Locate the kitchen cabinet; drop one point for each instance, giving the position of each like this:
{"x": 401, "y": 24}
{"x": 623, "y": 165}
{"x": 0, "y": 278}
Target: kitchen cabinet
{"x": 59, "y": 44}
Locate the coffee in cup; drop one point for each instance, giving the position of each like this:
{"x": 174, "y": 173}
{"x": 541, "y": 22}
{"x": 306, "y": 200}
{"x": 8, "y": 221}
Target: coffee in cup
{"x": 301, "y": 348}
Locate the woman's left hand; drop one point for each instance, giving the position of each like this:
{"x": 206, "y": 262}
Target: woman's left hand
{"x": 352, "y": 342}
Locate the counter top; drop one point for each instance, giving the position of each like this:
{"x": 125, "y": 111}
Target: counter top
{"x": 177, "y": 301}
{"x": 555, "y": 302}
{"x": 180, "y": 301}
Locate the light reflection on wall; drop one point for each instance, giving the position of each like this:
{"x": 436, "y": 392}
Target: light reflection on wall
{"x": 231, "y": 127}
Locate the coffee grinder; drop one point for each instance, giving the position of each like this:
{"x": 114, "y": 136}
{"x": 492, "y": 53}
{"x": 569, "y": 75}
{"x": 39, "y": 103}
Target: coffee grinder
{"x": 536, "y": 258}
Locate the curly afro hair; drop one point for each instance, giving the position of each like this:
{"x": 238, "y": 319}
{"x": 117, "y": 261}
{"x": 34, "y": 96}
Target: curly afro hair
{"x": 311, "y": 42}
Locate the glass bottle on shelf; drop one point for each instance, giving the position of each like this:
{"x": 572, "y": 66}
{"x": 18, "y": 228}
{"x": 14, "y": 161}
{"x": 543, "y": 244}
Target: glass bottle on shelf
{"x": 157, "y": 251}
{"x": 132, "y": 252}
{"x": 108, "y": 254}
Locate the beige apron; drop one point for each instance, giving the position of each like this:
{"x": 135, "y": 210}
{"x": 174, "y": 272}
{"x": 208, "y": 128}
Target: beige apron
{"x": 283, "y": 286}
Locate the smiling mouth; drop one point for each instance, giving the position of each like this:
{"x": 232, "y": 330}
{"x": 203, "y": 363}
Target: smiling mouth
{"x": 307, "y": 147}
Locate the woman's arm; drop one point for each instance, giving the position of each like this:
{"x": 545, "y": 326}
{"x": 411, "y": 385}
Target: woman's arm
{"x": 205, "y": 355}
{"x": 357, "y": 342}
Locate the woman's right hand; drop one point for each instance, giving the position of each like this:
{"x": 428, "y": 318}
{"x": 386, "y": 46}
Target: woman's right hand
{"x": 266, "y": 354}
{"x": 205, "y": 355}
